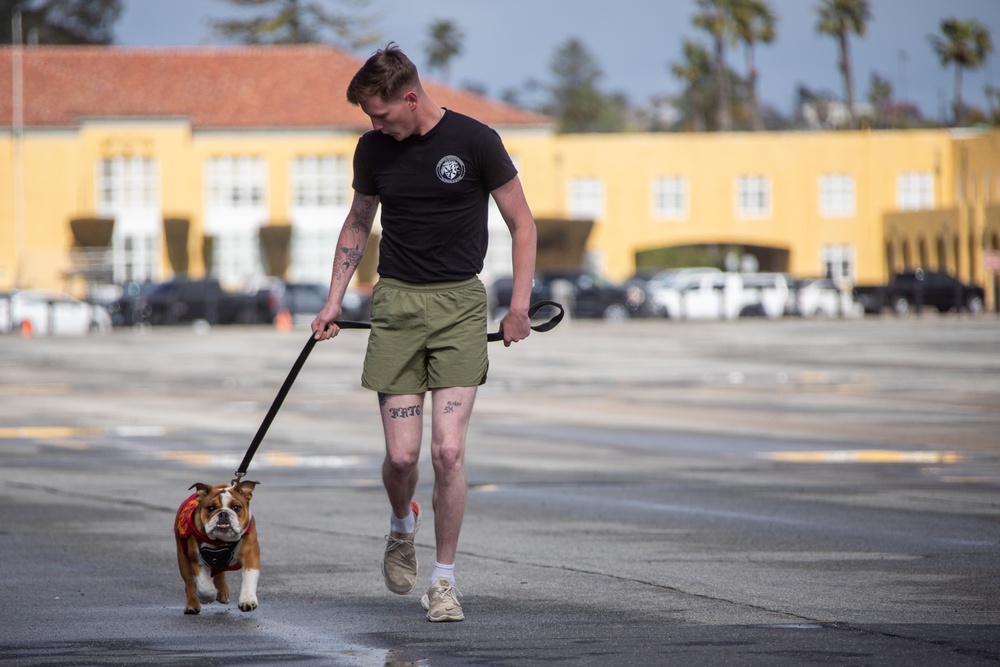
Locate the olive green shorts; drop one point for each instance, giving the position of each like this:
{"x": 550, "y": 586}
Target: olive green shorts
{"x": 426, "y": 336}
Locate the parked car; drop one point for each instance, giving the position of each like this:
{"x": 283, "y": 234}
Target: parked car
{"x": 919, "y": 288}
{"x": 184, "y": 301}
{"x": 661, "y": 294}
{"x": 582, "y": 293}
{"x": 637, "y": 289}
{"x": 813, "y": 297}
{"x": 5, "y": 323}
{"x": 303, "y": 301}
{"x": 763, "y": 295}
{"x": 127, "y": 304}
{"x": 48, "y": 312}
{"x": 701, "y": 295}
{"x": 820, "y": 297}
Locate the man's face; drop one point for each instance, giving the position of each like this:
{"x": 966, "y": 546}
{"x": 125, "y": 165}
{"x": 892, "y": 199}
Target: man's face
{"x": 395, "y": 118}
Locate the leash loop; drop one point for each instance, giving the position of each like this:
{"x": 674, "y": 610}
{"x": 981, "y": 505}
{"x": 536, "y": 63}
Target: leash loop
{"x": 348, "y": 324}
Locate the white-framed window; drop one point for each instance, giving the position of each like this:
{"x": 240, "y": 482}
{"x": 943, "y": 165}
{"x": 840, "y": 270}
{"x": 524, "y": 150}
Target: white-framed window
{"x": 914, "y": 190}
{"x": 586, "y": 198}
{"x": 670, "y": 198}
{"x": 840, "y": 264}
{"x": 320, "y": 200}
{"x": 320, "y": 181}
{"x": 128, "y": 182}
{"x": 236, "y": 208}
{"x": 836, "y": 196}
{"x": 753, "y": 196}
{"x": 236, "y": 182}
{"x": 128, "y": 190}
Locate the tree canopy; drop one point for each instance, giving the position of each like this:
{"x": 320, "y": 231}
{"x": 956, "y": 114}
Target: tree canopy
{"x": 61, "y": 21}
{"x": 300, "y": 22}
{"x": 577, "y": 102}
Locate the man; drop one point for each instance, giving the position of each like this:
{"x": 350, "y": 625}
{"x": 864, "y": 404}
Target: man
{"x": 432, "y": 170}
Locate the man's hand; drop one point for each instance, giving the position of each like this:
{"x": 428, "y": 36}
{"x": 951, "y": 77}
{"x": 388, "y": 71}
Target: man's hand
{"x": 325, "y": 326}
{"x": 516, "y": 326}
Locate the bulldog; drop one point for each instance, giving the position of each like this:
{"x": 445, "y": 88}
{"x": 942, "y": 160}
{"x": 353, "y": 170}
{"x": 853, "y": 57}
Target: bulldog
{"x": 215, "y": 533}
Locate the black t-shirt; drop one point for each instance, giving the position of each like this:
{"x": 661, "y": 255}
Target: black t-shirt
{"x": 434, "y": 190}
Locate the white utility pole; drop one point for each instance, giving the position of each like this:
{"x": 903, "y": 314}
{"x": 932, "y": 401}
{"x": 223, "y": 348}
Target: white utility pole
{"x": 18, "y": 127}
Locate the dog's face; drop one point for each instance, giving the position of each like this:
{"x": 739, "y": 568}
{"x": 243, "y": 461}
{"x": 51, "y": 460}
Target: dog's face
{"x": 223, "y": 510}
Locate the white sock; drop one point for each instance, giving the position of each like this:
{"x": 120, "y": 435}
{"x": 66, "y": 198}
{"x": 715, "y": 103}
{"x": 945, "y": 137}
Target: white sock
{"x": 403, "y": 525}
{"x": 443, "y": 572}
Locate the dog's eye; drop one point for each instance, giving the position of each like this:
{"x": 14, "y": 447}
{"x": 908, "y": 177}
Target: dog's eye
{"x": 210, "y": 508}
{"x": 237, "y": 508}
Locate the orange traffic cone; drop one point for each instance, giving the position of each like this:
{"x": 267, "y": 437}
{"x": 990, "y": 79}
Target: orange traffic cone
{"x": 283, "y": 320}
{"x": 27, "y": 329}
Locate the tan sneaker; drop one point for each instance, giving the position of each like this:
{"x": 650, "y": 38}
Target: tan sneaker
{"x": 399, "y": 564}
{"x": 441, "y": 602}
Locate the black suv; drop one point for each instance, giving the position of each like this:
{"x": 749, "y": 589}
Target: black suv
{"x": 935, "y": 289}
{"x": 582, "y": 293}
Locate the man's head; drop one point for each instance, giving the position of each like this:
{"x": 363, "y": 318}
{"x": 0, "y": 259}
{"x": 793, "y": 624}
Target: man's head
{"x": 387, "y": 88}
{"x": 388, "y": 74}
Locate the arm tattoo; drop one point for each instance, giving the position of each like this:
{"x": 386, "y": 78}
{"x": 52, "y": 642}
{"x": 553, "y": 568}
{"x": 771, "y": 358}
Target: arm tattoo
{"x": 351, "y": 256}
{"x": 345, "y": 260}
{"x": 362, "y": 216}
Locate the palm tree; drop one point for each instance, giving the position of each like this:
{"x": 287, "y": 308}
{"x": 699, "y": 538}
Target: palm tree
{"x": 965, "y": 43}
{"x": 880, "y": 96}
{"x": 838, "y": 18}
{"x": 445, "y": 44}
{"x": 715, "y": 17}
{"x": 692, "y": 71}
{"x": 753, "y": 21}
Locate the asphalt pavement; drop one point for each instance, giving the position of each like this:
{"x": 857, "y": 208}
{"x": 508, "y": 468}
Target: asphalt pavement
{"x": 641, "y": 493}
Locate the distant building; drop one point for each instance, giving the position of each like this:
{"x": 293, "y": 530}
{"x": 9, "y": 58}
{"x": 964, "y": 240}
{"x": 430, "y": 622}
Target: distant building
{"x": 197, "y": 147}
{"x": 120, "y": 164}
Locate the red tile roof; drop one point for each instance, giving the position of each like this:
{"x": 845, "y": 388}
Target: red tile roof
{"x": 238, "y": 87}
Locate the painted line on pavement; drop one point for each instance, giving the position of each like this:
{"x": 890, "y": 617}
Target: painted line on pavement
{"x": 865, "y": 456}
{"x": 262, "y": 460}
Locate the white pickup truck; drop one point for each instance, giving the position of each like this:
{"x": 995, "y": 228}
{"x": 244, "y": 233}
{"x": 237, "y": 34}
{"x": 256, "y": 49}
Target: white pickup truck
{"x": 707, "y": 293}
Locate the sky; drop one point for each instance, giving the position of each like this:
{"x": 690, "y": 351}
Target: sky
{"x": 507, "y": 44}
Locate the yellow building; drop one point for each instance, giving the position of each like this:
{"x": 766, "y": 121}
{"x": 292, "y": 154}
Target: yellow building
{"x": 856, "y": 205}
{"x": 195, "y": 153}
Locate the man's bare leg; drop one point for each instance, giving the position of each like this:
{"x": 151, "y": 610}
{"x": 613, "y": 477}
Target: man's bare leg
{"x": 452, "y": 411}
{"x": 402, "y": 421}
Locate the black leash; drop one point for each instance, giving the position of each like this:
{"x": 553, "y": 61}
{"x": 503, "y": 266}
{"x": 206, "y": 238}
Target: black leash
{"x": 311, "y": 343}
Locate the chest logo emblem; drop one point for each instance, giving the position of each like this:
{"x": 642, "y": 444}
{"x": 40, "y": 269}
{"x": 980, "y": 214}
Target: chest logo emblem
{"x": 450, "y": 169}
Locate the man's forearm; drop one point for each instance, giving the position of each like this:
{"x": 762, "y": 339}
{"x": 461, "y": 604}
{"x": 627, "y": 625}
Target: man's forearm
{"x": 524, "y": 239}
{"x": 351, "y": 244}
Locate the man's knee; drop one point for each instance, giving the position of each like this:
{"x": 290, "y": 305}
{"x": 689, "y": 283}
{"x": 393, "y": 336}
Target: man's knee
{"x": 449, "y": 457}
{"x": 401, "y": 462}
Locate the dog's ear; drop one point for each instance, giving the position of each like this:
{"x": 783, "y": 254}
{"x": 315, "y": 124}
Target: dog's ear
{"x": 203, "y": 489}
{"x": 246, "y": 488}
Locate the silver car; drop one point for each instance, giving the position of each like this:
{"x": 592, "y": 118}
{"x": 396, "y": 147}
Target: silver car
{"x": 48, "y": 312}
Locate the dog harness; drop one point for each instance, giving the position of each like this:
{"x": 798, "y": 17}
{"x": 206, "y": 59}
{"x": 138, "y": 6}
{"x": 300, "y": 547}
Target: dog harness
{"x": 218, "y": 554}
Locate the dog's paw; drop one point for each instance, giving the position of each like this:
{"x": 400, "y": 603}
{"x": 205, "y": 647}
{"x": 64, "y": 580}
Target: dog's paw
{"x": 192, "y": 610}
{"x": 248, "y": 604}
{"x": 222, "y": 598}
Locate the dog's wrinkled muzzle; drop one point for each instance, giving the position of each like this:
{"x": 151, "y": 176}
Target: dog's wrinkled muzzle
{"x": 224, "y": 525}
